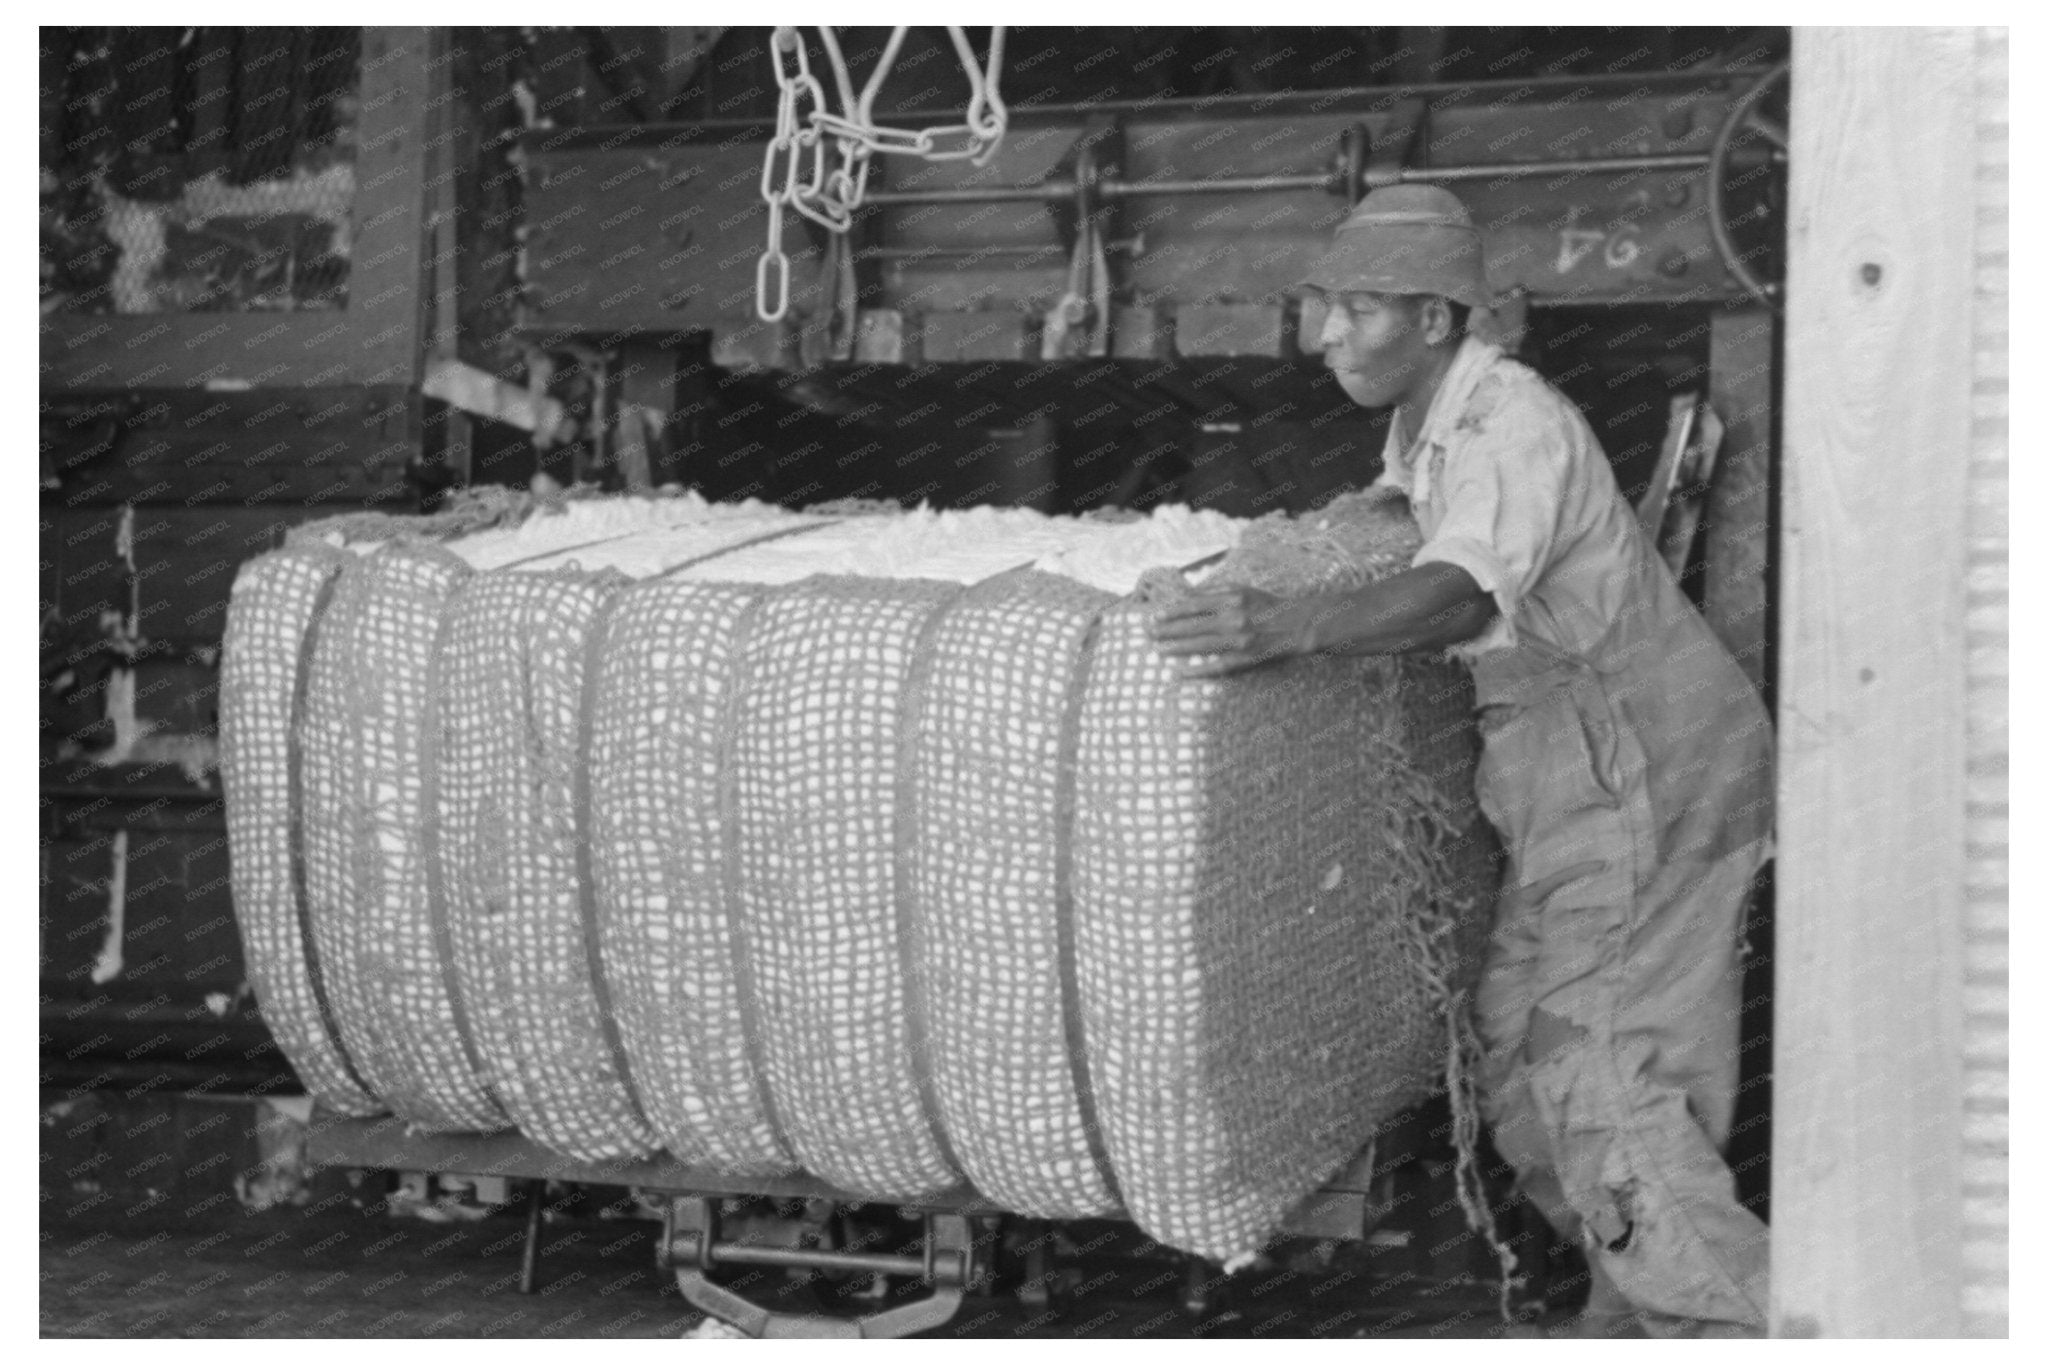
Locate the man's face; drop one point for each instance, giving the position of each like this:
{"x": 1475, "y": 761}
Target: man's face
{"x": 1374, "y": 344}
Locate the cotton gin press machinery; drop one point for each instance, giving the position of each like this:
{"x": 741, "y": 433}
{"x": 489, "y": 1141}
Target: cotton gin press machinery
{"x": 1120, "y": 248}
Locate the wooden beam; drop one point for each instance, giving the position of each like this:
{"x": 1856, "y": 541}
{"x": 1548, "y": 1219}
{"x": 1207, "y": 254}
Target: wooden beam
{"x": 1867, "y": 1158}
{"x": 685, "y": 52}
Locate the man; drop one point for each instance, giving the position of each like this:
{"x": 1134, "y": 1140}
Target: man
{"x": 1626, "y": 766}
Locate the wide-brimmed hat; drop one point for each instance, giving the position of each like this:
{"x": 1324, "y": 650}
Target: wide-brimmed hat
{"x": 1406, "y": 239}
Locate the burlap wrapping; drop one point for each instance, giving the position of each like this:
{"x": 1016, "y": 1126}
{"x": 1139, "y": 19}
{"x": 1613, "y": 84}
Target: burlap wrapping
{"x": 366, "y": 739}
{"x": 513, "y": 861}
{"x": 1249, "y": 868}
{"x": 811, "y": 791}
{"x": 666, "y": 890}
{"x": 893, "y": 881}
{"x": 275, "y": 604}
{"x": 991, "y": 795}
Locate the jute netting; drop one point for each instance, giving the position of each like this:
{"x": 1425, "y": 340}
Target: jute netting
{"x": 365, "y": 744}
{"x": 274, "y": 607}
{"x": 990, "y": 875}
{"x": 672, "y": 940}
{"x": 903, "y": 882}
{"x": 515, "y": 864}
{"x": 1254, "y": 1001}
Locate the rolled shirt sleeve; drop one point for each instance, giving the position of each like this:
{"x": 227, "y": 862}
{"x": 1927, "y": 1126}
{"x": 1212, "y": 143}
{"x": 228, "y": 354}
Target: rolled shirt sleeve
{"x": 1503, "y": 495}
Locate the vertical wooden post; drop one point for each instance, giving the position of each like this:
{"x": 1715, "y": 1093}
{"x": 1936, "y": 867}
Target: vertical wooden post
{"x": 1867, "y": 1154}
{"x": 385, "y": 312}
{"x": 647, "y": 401}
{"x": 213, "y": 69}
{"x": 444, "y": 144}
{"x": 441, "y": 144}
{"x": 1737, "y": 555}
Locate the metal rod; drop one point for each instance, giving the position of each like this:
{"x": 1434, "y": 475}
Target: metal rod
{"x": 529, "y": 1251}
{"x": 1050, "y": 191}
{"x": 1331, "y": 182}
{"x": 921, "y": 253}
{"x": 744, "y": 1253}
{"x": 1508, "y": 89}
{"x": 1222, "y": 184}
{"x": 935, "y": 253}
{"x": 1591, "y": 165}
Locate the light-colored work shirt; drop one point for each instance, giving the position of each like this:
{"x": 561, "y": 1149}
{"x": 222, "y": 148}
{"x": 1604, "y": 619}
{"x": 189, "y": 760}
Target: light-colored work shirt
{"x": 1509, "y": 483}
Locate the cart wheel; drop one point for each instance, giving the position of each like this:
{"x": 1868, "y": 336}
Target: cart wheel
{"x": 1748, "y": 223}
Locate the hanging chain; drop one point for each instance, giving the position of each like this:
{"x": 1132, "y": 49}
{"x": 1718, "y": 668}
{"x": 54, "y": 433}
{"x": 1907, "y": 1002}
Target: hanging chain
{"x": 838, "y": 179}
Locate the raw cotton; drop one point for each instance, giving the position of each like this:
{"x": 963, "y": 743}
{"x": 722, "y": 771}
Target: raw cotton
{"x": 884, "y": 847}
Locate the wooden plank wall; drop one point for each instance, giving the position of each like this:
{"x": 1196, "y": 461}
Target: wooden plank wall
{"x": 1878, "y": 1133}
{"x": 163, "y": 494}
{"x": 155, "y": 490}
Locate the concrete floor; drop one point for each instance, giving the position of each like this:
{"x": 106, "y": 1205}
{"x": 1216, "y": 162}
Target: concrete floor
{"x": 344, "y": 1266}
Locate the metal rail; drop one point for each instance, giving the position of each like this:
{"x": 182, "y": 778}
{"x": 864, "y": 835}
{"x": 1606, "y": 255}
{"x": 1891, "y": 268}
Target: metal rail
{"x": 1369, "y": 98}
{"x": 872, "y": 1262}
{"x": 1331, "y": 182}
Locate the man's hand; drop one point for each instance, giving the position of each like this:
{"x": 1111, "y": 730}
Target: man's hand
{"x": 1213, "y": 634}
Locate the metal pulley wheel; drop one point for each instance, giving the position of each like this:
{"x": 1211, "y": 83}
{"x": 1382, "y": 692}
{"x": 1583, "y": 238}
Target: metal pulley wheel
{"x": 1748, "y": 223}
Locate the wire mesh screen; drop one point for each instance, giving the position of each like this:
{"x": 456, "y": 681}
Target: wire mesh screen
{"x": 198, "y": 170}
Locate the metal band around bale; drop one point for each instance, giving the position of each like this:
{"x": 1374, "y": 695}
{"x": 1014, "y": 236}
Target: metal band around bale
{"x": 594, "y": 641}
{"x": 737, "y": 947}
{"x": 906, "y": 823}
{"x": 747, "y": 544}
{"x": 1065, "y": 802}
{"x": 430, "y": 849}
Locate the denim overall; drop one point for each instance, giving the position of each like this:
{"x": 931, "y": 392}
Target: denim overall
{"x": 1640, "y": 765}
